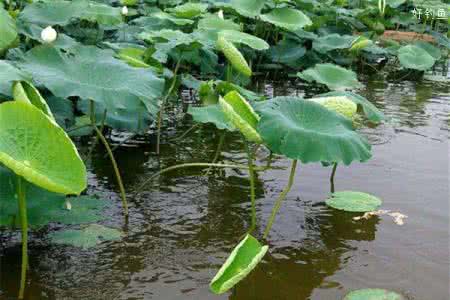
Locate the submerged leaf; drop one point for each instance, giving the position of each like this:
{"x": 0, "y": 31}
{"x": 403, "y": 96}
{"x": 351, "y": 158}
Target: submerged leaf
{"x": 239, "y": 112}
{"x": 309, "y": 132}
{"x": 36, "y": 148}
{"x": 373, "y": 294}
{"x": 86, "y": 238}
{"x": 242, "y": 260}
{"x": 353, "y": 201}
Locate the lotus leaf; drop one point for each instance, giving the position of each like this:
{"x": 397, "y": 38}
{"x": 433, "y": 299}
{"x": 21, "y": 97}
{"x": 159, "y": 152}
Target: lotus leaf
{"x": 87, "y": 237}
{"x": 213, "y": 22}
{"x": 188, "y": 10}
{"x": 334, "y": 77}
{"x": 373, "y": 294}
{"x": 333, "y": 41}
{"x": 414, "y": 57}
{"x": 237, "y": 37}
{"x": 309, "y": 132}
{"x": 240, "y": 113}
{"x": 339, "y": 104}
{"x": 211, "y": 114}
{"x": 83, "y": 73}
{"x": 234, "y": 56}
{"x": 248, "y": 8}
{"x": 242, "y": 260}
{"x": 26, "y": 92}
{"x": 9, "y": 74}
{"x": 287, "y": 18}
{"x": 435, "y": 52}
{"x": 353, "y": 201}
{"x": 8, "y": 30}
{"x": 36, "y": 148}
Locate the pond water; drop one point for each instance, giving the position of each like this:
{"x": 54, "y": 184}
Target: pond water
{"x": 183, "y": 226}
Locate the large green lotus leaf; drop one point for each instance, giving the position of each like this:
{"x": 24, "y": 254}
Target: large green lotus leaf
{"x": 242, "y": 260}
{"x": 333, "y": 76}
{"x": 333, "y": 41}
{"x": 87, "y": 237}
{"x": 287, "y": 18}
{"x": 8, "y": 30}
{"x": 64, "y": 12}
{"x": 414, "y": 57}
{"x": 287, "y": 52}
{"x": 36, "y": 148}
{"x": 211, "y": 114}
{"x": 309, "y": 132}
{"x": 188, "y": 10}
{"x": 9, "y": 74}
{"x": 133, "y": 56}
{"x": 33, "y": 31}
{"x": 248, "y": 8}
{"x": 91, "y": 73}
{"x": 44, "y": 207}
{"x": 373, "y": 294}
{"x": 434, "y": 51}
{"x": 238, "y": 37}
{"x": 240, "y": 113}
{"x": 177, "y": 21}
{"x": 26, "y": 92}
{"x": 213, "y": 22}
{"x": 353, "y": 201}
{"x": 372, "y": 113}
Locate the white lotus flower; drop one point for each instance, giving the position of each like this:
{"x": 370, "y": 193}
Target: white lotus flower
{"x": 124, "y": 11}
{"x": 49, "y": 34}
{"x": 220, "y": 14}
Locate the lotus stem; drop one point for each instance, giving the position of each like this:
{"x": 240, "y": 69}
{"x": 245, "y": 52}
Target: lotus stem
{"x": 280, "y": 199}
{"x": 116, "y": 170}
{"x": 218, "y": 151}
{"x": 161, "y": 110}
{"x": 186, "y": 132}
{"x": 102, "y": 127}
{"x": 24, "y": 227}
{"x": 251, "y": 173}
{"x": 333, "y": 172}
{"x": 269, "y": 160}
{"x": 198, "y": 165}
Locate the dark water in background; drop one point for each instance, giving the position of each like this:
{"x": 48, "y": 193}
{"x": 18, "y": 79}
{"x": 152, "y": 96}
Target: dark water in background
{"x": 182, "y": 228}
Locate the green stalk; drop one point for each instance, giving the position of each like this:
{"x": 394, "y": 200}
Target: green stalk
{"x": 280, "y": 199}
{"x": 161, "y": 110}
{"x": 24, "y": 227}
{"x": 251, "y": 174}
{"x": 116, "y": 170}
{"x": 218, "y": 150}
{"x": 333, "y": 172}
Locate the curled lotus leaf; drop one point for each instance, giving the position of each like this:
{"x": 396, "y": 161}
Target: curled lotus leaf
{"x": 234, "y": 56}
{"x": 240, "y": 113}
{"x": 26, "y": 92}
{"x": 339, "y": 104}
{"x": 238, "y": 37}
{"x": 33, "y": 146}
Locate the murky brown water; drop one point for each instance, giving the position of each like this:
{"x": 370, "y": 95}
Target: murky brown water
{"x": 182, "y": 228}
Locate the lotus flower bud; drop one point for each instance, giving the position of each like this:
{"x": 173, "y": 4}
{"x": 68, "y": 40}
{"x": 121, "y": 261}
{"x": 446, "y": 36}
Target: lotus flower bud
{"x": 124, "y": 11}
{"x": 49, "y": 34}
{"x": 220, "y": 14}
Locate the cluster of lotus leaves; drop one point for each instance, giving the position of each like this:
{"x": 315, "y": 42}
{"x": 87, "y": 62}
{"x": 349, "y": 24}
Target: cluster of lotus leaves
{"x": 34, "y": 147}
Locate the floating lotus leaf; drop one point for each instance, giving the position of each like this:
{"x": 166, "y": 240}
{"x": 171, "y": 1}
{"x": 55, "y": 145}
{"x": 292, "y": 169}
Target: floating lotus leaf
{"x": 332, "y": 41}
{"x": 414, "y": 57}
{"x": 334, "y": 77}
{"x": 239, "y": 112}
{"x": 234, "y": 56}
{"x": 238, "y": 37}
{"x": 339, "y": 104}
{"x": 36, "y": 148}
{"x": 242, "y": 260}
{"x": 309, "y": 132}
{"x": 353, "y": 201}
{"x": 44, "y": 207}
{"x": 211, "y": 114}
{"x": 9, "y": 74}
{"x": 64, "y": 12}
{"x": 371, "y": 111}
{"x": 373, "y": 294}
{"x": 189, "y": 10}
{"x": 91, "y": 73}
{"x": 287, "y": 18}
{"x": 26, "y": 92}
{"x": 8, "y": 30}
{"x": 248, "y": 8}
{"x": 87, "y": 237}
